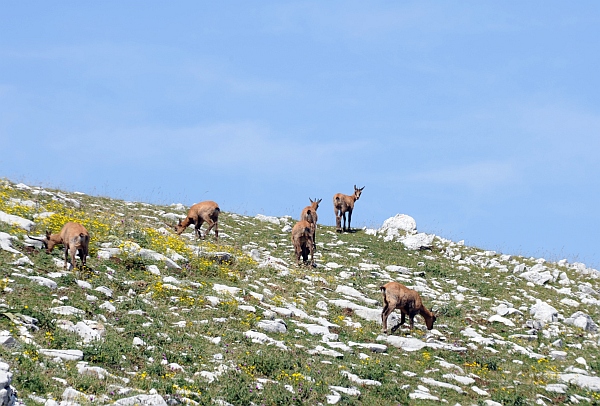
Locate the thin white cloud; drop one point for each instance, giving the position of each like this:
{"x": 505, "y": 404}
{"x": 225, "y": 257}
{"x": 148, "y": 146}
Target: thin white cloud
{"x": 477, "y": 176}
{"x": 227, "y": 146}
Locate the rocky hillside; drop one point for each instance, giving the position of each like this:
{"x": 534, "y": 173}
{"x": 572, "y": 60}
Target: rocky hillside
{"x": 157, "y": 318}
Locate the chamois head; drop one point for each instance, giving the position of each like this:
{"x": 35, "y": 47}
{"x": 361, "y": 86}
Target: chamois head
{"x": 181, "y": 226}
{"x": 47, "y": 241}
{"x": 315, "y": 203}
{"x": 357, "y": 192}
{"x": 429, "y": 319}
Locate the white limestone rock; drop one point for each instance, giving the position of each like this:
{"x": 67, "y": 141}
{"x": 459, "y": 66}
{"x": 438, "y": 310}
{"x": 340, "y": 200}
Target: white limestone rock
{"x": 542, "y": 311}
{"x": 433, "y": 382}
{"x": 16, "y": 221}
{"x": 226, "y": 289}
{"x": 6, "y": 242}
{"x": 397, "y": 226}
{"x": 499, "y": 319}
{"x": 418, "y": 241}
{"x": 146, "y": 400}
{"x": 7, "y": 340}
{"x": 67, "y": 355}
{"x": 66, "y": 310}
{"x": 357, "y": 380}
{"x": 583, "y": 381}
{"x": 262, "y": 338}
{"x": 40, "y": 280}
{"x": 272, "y": 326}
{"x": 557, "y": 388}
{"x": 538, "y": 278}
{"x": 583, "y": 321}
{"x": 268, "y": 219}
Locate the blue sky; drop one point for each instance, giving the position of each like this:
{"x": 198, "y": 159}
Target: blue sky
{"x": 479, "y": 119}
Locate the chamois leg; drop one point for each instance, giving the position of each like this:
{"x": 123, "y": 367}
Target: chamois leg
{"x": 81, "y": 254}
{"x": 384, "y": 317}
{"x": 212, "y": 224}
{"x": 298, "y": 250}
{"x": 402, "y": 319}
{"x": 198, "y": 231}
{"x": 349, "y": 219}
{"x": 411, "y": 318}
{"x": 304, "y": 254}
{"x": 338, "y": 221}
{"x": 388, "y": 309}
{"x": 66, "y": 256}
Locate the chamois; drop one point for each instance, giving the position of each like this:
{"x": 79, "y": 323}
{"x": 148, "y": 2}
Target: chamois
{"x": 302, "y": 238}
{"x": 199, "y": 213}
{"x": 408, "y": 301}
{"x": 74, "y": 237}
{"x": 343, "y": 204}
{"x": 314, "y": 205}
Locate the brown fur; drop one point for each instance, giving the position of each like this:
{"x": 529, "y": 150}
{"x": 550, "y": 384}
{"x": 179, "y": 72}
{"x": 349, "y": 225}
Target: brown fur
{"x": 302, "y": 239}
{"x": 343, "y": 204}
{"x": 408, "y": 301}
{"x": 314, "y": 205}
{"x": 74, "y": 237}
{"x": 199, "y": 213}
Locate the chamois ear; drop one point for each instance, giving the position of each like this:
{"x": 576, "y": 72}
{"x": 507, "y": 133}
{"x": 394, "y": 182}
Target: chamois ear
{"x": 179, "y": 223}
{"x": 318, "y": 201}
{"x": 48, "y": 234}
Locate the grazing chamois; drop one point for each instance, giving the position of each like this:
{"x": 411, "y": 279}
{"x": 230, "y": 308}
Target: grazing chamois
{"x": 314, "y": 205}
{"x": 408, "y": 301}
{"x": 199, "y": 213}
{"x": 302, "y": 239}
{"x": 343, "y": 204}
{"x": 74, "y": 237}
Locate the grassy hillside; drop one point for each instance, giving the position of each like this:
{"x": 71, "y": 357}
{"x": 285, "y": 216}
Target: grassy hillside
{"x": 237, "y": 322}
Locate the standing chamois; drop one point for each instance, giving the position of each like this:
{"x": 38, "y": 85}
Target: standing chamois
{"x": 302, "y": 238}
{"x": 199, "y": 213}
{"x": 314, "y": 205}
{"x": 343, "y": 204}
{"x": 408, "y": 301}
{"x": 74, "y": 237}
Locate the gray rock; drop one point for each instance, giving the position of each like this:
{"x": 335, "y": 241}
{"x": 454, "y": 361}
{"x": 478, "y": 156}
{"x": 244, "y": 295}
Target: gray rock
{"x": 66, "y": 310}
{"x": 16, "y": 221}
{"x": 67, "y": 355}
{"x": 272, "y": 326}
{"x": 5, "y": 379}
{"x": 6, "y": 339}
{"x": 143, "y": 400}
{"x": 268, "y": 219}
{"x": 418, "y": 241}
{"x": 40, "y": 280}
{"x": 543, "y": 311}
{"x": 586, "y": 382}
{"x": 539, "y": 278}
{"x": 583, "y": 321}
{"x": 587, "y": 290}
{"x": 557, "y": 388}
{"x": 558, "y": 355}
{"x": 6, "y": 242}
